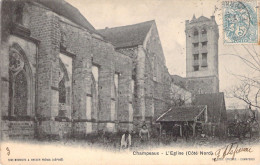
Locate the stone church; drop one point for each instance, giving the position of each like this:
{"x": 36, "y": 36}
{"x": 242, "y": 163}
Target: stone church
{"x": 60, "y": 76}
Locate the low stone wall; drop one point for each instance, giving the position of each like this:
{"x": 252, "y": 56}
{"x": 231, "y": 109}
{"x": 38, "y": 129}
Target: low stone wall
{"x": 54, "y": 129}
{"x": 18, "y": 129}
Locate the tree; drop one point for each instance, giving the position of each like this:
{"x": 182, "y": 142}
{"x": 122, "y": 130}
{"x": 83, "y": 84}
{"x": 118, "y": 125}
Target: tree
{"x": 179, "y": 95}
{"x": 248, "y": 90}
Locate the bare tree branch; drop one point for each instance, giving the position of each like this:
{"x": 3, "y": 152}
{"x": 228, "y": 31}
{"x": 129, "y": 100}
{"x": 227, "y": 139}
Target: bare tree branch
{"x": 252, "y": 56}
{"x": 247, "y": 62}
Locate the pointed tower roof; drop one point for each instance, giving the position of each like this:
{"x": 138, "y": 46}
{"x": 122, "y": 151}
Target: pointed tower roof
{"x": 193, "y": 18}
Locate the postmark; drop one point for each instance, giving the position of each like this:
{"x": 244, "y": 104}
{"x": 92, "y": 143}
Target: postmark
{"x": 240, "y": 22}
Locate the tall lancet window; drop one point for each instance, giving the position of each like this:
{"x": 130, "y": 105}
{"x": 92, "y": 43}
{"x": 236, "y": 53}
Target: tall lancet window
{"x": 92, "y": 97}
{"x": 131, "y": 110}
{"x": 65, "y": 85}
{"x": 195, "y": 33}
{"x": 155, "y": 68}
{"x": 114, "y": 98}
{"x": 63, "y": 77}
{"x": 20, "y": 103}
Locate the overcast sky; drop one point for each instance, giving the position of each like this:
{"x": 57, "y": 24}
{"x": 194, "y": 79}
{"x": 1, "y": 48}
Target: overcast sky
{"x": 170, "y": 16}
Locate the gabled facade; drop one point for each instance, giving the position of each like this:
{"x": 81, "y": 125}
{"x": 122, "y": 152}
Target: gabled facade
{"x": 151, "y": 79}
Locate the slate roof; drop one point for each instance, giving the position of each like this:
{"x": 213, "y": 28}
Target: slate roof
{"x": 127, "y": 36}
{"x": 215, "y": 105}
{"x": 184, "y": 113}
{"x": 68, "y": 11}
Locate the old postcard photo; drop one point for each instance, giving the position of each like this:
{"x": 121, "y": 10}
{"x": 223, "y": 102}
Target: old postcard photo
{"x": 129, "y": 82}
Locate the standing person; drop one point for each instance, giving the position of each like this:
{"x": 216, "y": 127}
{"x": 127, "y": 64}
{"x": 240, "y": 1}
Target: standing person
{"x": 175, "y": 131}
{"x": 144, "y": 134}
{"x": 126, "y": 140}
{"x": 186, "y": 131}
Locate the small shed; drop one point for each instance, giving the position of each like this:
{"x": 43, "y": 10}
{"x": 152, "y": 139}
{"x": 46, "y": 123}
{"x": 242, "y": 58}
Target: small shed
{"x": 191, "y": 115}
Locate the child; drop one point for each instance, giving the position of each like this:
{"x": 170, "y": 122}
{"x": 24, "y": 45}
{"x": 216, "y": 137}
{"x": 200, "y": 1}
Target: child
{"x": 126, "y": 140}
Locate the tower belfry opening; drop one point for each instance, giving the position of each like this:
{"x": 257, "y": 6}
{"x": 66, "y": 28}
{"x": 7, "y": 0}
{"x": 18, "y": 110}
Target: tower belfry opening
{"x": 202, "y": 36}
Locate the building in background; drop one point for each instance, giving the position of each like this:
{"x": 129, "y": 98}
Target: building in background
{"x": 201, "y": 83}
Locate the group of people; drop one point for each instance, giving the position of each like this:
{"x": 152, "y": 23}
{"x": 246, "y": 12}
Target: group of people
{"x": 126, "y": 139}
{"x": 144, "y": 135}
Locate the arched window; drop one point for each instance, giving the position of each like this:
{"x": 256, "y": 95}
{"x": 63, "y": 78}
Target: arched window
{"x": 63, "y": 77}
{"x": 204, "y": 31}
{"x": 114, "y": 96}
{"x": 92, "y": 97}
{"x": 20, "y": 103}
{"x": 155, "y": 68}
{"x": 62, "y": 91}
{"x": 195, "y": 32}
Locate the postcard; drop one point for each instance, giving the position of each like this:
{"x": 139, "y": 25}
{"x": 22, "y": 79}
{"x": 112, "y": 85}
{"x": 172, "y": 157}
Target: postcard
{"x": 129, "y": 82}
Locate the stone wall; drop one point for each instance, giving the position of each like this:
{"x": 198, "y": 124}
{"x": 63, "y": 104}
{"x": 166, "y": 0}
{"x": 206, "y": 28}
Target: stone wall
{"x": 90, "y": 51}
{"x": 201, "y": 85}
{"x": 87, "y": 50}
{"x": 18, "y": 129}
{"x": 44, "y": 26}
{"x": 123, "y": 66}
{"x": 161, "y": 84}
{"x": 152, "y": 95}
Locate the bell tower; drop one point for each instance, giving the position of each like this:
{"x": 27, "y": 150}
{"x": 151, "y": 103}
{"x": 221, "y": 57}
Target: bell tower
{"x": 202, "y": 36}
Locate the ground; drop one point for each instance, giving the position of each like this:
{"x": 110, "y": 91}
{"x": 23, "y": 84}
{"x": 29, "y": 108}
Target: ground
{"x": 112, "y": 143}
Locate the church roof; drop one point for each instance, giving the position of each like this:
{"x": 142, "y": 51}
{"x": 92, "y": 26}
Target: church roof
{"x": 127, "y": 36}
{"x": 183, "y": 113}
{"x": 66, "y": 10}
{"x": 215, "y": 104}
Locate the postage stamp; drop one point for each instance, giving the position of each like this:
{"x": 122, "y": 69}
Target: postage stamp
{"x": 240, "y": 22}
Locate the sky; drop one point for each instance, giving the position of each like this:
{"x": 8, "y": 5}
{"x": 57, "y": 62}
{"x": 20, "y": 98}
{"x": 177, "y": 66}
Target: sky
{"x": 170, "y": 16}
